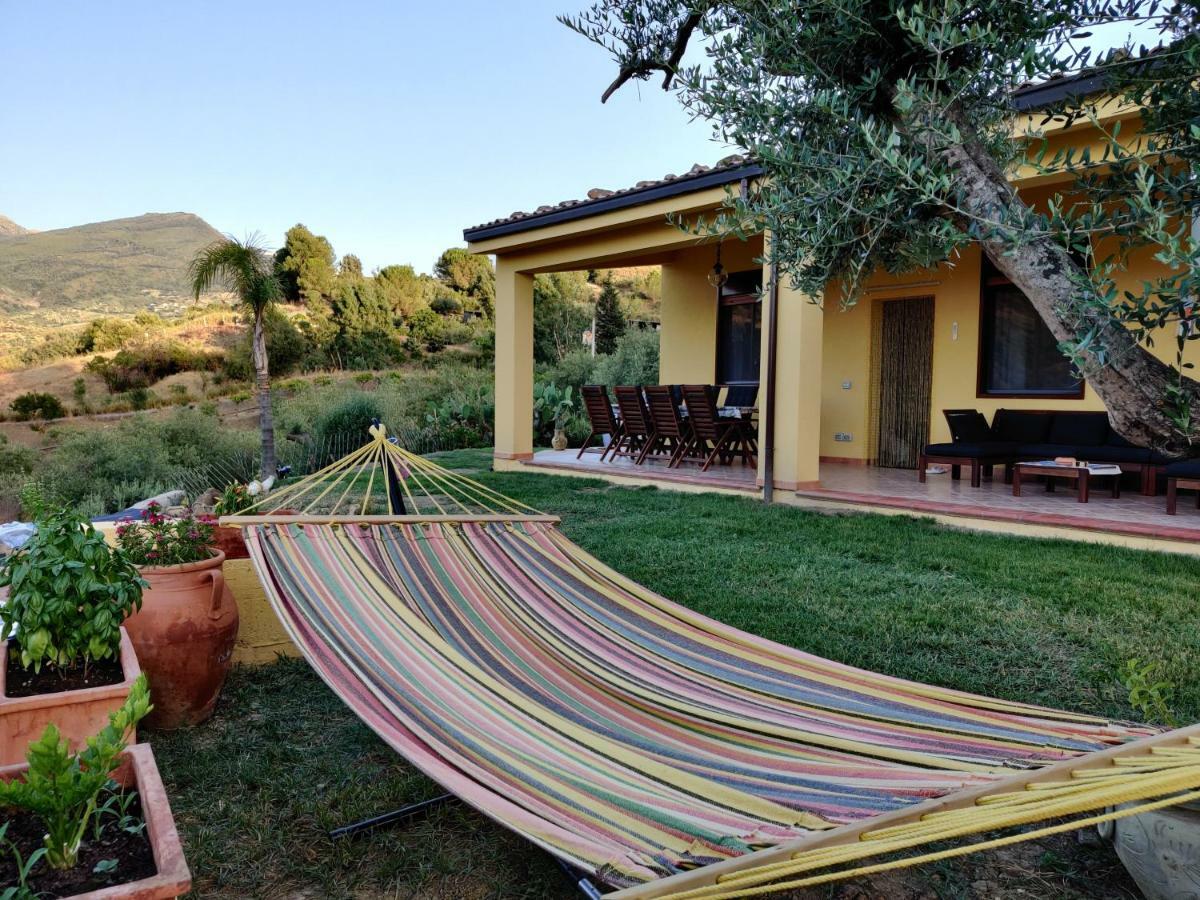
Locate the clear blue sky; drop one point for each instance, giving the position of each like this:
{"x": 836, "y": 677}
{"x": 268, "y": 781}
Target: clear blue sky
{"x": 386, "y": 126}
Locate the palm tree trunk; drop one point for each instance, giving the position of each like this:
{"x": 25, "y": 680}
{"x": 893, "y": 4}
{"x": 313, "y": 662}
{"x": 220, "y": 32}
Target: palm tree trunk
{"x": 263, "y": 379}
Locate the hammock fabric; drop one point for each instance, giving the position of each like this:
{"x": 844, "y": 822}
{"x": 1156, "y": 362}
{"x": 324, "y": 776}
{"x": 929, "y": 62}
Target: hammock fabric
{"x": 638, "y": 740}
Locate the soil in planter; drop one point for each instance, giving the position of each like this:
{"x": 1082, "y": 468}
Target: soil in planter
{"x": 22, "y": 682}
{"x": 133, "y": 853}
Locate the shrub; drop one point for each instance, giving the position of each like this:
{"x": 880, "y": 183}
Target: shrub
{"x": 79, "y": 392}
{"x": 108, "y": 334}
{"x": 15, "y": 459}
{"x": 574, "y": 370}
{"x": 348, "y": 421}
{"x": 460, "y": 421}
{"x": 635, "y": 361}
{"x": 34, "y": 405}
{"x": 111, "y": 468}
{"x": 142, "y": 366}
{"x": 446, "y": 304}
{"x": 68, "y": 593}
{"x": 59, "y": 343}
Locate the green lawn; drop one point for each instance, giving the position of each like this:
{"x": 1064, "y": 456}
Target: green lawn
{"x": 1050, "y": 622}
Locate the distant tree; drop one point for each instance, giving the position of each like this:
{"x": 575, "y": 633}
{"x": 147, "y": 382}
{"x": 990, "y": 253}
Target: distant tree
{"x": 350, "y": 267}
{"x": 560, "y": 314}
{"x": 305, "y": 268}
{"x": 403, "y": 289}
{"x": 245, "y": 268}
{"x": 366, "y": 333}
{"x": 471, "y": 275}
{"x": 610, "y": 322}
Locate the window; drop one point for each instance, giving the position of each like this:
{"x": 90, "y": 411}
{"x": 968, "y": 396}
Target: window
{"x": 1018, "y": 356}
{"x": 739, "y": 328}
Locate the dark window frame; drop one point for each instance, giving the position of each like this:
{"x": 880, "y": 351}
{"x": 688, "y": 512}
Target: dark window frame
{"x": 991, "y": 278}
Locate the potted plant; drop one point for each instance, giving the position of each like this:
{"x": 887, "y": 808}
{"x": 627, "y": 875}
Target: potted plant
{"x": 228, "y": 539}
{"x": 73, "y": 831}
{"x": 67, "y": 659}
{"x": 185, "y": 630}
{"x": 553, "y": 405}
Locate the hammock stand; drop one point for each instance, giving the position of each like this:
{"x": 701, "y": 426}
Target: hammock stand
{"x": 665, "y": 754}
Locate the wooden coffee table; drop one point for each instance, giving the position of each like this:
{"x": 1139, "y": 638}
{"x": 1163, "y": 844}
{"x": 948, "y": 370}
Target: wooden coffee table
{"x": 1081, "y": 474}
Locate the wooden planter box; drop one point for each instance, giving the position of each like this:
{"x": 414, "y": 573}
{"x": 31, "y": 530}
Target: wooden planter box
{"x": 77, "y": 714}
{"x": 172, "y": 878}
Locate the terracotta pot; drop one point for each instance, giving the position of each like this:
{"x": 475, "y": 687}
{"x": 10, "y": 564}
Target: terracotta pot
{"x": 184, "y": 635}
{"x": 172, "y": 878}
{"x": 77, "y": 714}
{"x": 229, "y": 541}
{"x": 559, "y": 440}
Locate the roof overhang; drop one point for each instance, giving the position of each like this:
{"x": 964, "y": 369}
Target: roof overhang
{"x": 624, "y": 200}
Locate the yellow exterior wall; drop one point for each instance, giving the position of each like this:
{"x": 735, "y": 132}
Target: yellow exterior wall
{"x": 955, "y": 289}
{"x": 688, "y": 340}
{"x": 514, "y": 362}
{"x": 820, "y": 351}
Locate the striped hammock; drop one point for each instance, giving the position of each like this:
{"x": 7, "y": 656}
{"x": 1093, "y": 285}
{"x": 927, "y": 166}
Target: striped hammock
{"x": 664, "y": 752}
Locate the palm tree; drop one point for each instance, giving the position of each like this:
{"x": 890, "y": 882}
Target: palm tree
{"x": 246, "y": 268}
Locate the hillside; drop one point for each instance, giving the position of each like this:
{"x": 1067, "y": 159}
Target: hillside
{"x": 9, "y": 228}
{"x": 118, "y": 267}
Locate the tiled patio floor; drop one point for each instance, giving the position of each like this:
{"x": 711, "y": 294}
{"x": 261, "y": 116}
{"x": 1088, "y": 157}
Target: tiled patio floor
{"x": 1132, "y": 514}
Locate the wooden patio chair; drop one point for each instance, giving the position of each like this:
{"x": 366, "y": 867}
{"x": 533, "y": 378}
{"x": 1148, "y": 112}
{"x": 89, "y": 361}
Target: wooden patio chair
{"x": 725, "y": 437}
{"x": 671, "y": 431}
{"x": 604, "y": 420}
{"x": 743, "y": 395}
{"x": 637, "y": 428}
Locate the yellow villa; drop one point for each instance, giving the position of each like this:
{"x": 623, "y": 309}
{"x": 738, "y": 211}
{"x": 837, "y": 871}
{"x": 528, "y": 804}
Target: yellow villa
{"x": 846, "y": 399}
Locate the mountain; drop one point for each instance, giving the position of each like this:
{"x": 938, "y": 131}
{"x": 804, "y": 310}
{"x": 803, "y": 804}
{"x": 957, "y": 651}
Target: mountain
{"x": 119, "y": 267}
{"x": 9, "y": 228}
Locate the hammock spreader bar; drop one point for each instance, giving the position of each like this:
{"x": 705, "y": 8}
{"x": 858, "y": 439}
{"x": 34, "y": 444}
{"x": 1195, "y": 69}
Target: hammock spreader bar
{"x": 665, "y": 753}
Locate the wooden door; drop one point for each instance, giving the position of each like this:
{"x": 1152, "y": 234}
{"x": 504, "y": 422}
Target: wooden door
{"x": 905, "y": 381}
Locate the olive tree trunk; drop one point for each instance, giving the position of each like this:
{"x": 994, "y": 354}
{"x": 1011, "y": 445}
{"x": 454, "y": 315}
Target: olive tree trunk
{"x": 263, "y": 381}
{"x": 1133, "y": 383}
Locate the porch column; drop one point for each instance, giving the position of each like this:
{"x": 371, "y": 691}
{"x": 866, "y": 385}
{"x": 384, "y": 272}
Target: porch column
{"x": 514, "y": 363}
{"x": 797, "y": 389}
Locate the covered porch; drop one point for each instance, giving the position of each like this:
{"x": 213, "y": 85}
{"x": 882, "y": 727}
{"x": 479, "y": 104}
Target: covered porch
{"x": 847, "y": 400}
{"x": 1132, "y": 520}
{"x": 711, "y": 335}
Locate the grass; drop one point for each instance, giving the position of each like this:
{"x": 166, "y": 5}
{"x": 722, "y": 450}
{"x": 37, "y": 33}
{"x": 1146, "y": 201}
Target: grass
{"x": 1052, "y": 622}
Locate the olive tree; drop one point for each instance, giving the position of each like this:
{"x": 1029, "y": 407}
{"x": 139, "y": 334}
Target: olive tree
{"x": 888, "y": 132}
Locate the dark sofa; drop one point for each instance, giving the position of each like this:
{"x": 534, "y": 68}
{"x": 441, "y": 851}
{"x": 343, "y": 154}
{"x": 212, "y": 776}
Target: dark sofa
{"x": 1023, "y": 435}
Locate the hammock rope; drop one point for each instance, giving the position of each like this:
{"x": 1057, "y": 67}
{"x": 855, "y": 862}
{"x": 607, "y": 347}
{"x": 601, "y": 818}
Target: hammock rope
{"x": 668, "y": 754}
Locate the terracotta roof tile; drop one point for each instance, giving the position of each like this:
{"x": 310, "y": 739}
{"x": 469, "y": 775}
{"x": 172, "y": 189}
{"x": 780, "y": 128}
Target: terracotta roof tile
{"x": 596, "y": 194}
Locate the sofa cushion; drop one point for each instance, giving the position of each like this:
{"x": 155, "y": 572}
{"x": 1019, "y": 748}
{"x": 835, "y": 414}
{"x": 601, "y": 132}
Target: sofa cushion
{"x": 1115, "y": 440}
{"x": 1184, "y": 468}
{"x": 1164, "y": 459}
{"x": 968, "y": 426}
{"x": 1083, "y": 429}
{"x": 975, "y": 450}
{"x": 1112, "y": 454}
{"x": 1039, "y": 452}
{"x": 1021, "y": 427}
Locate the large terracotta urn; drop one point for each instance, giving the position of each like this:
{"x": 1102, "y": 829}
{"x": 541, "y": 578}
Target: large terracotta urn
{"x": 184, "y": 635}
